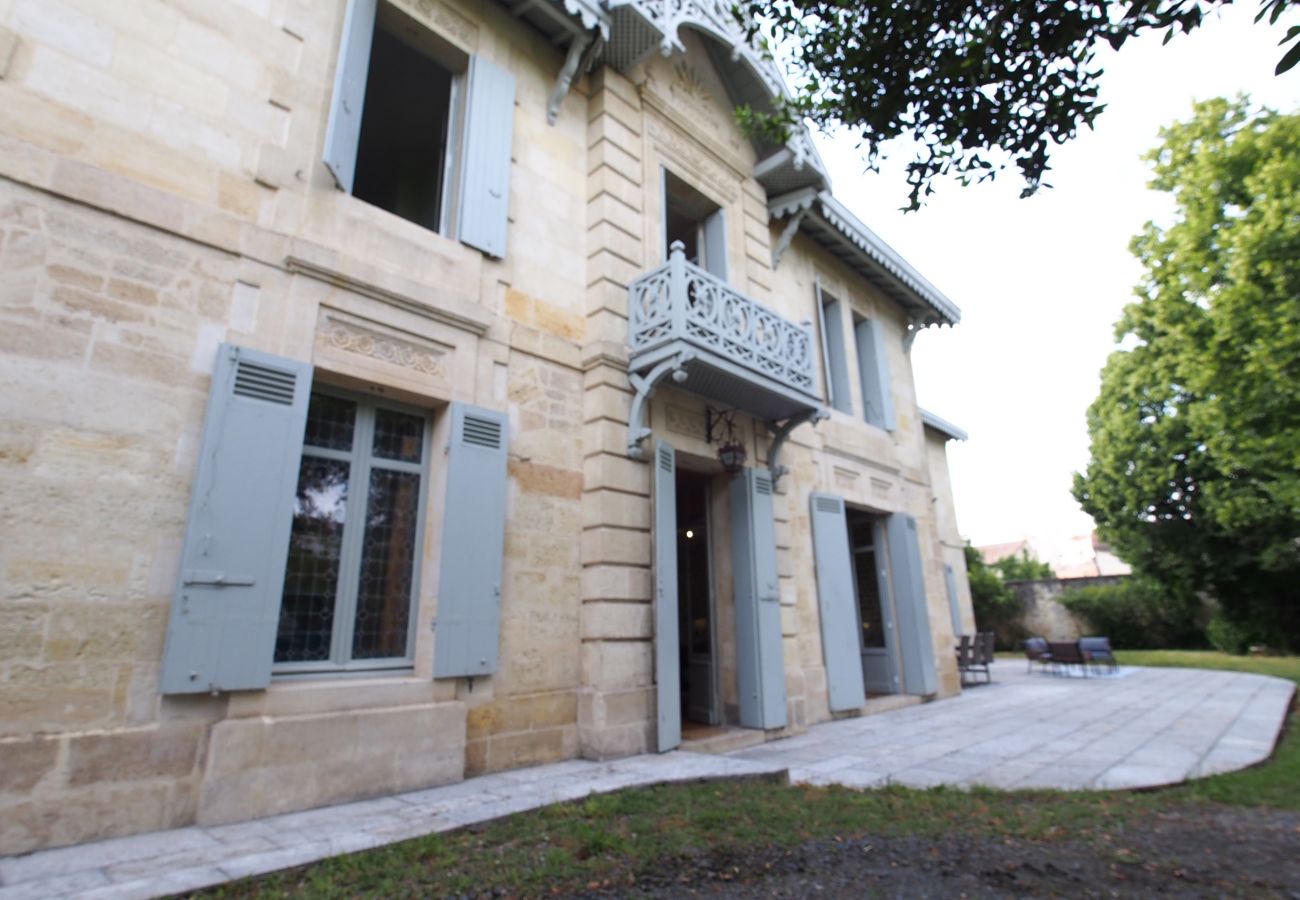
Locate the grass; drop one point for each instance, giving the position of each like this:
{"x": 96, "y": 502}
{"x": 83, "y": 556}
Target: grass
{"x": 618, "y": 839}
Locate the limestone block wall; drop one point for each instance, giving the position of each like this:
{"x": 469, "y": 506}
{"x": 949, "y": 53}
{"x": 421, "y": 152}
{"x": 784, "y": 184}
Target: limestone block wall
{"x": 161, "y": 191}
{"x": 1043, "y": 615}
{"x": 952, "y": 548}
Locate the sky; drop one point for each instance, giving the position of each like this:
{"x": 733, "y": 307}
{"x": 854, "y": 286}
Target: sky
{"x": 1041, "y": 281}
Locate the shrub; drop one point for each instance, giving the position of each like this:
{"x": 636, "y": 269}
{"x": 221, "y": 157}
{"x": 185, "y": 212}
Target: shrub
{"x": 1140, "y": 612}
{"x": 996, "y": 606}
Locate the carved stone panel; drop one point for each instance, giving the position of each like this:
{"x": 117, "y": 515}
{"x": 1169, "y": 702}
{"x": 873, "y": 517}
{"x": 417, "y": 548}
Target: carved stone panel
{"x": 684, "y": 421}
{"x": 337, "y": 330}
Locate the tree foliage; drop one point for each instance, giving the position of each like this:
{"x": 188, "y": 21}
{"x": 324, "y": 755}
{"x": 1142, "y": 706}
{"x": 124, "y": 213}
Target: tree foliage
{"x": 996, "y": 606}
{"x": 1195, "y": 468}
{"x": 1136, "y": 612}
{"x": 1021, "y": 568}
{"x": 978, "y": 86}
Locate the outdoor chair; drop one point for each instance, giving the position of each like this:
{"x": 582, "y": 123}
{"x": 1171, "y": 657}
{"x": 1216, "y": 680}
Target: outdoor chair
{"x": 984, "y": 653}
{"x": 965, "y": 656}
{"x": 1036, "y": 652}
{"x": 1067, "y": 654}
{"x": 1099, "y": 652}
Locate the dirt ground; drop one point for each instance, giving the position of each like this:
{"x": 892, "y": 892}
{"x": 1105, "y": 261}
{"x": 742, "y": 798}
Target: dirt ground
{"x": 1192, "y": 852}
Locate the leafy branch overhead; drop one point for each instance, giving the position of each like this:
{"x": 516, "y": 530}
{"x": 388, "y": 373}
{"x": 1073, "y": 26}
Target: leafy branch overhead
{"x": 978, "y": 86}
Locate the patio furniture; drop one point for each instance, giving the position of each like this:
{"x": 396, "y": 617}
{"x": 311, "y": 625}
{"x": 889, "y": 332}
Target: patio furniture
{"x": 974, "y": 655}
{"x": 984, "y": 653}
{"x": 1068, "y": 654}
{"x": 1099, "y": 652}
{"x": 1036, "y": 652}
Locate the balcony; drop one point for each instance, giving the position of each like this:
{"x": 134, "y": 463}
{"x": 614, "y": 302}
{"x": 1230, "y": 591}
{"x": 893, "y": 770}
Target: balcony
{"x": 718, "y": 343}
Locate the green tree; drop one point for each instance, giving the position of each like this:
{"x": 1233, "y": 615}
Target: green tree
{"x": 1195, "y": 468}
{"x": 1021, "y": 567}
{"x": 978, "y": 86}
{"x": 996, "y": 606}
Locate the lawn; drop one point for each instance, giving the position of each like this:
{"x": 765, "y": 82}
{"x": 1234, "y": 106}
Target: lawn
{"x": 1219, "y": 835}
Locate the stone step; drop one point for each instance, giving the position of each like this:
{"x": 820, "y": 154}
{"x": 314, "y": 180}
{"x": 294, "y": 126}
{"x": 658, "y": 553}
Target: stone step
{"x": 721, "y": 739}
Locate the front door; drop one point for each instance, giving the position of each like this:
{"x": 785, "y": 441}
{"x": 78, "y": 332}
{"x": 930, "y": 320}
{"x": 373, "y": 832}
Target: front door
{"x": 695, "y": 599}
{"x": 875, "y": 612}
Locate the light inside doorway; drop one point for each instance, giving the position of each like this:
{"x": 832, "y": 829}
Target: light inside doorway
{"x": 694, "y": 599}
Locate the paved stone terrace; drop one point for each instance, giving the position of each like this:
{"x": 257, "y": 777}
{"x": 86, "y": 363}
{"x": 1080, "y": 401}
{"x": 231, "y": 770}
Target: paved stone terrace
{"x": 1141, "y": 728}
{"x": 1138, "y": 728}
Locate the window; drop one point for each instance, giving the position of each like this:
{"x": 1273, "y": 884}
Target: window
{"x": 351, "y": 579}
{"x": 305, "y": 533}
{"x": 696, "y": 221}
{"x": 402, "y": 152}
{"x": 873, "y": 370}
{"x": 833, "y": 353}
{"x": 420, "y": 128}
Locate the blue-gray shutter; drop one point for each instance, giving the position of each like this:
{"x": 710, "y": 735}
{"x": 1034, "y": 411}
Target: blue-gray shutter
{"x": 221, "y": 634}
{"x": 950, "y": 578}
{"x": 668, "y": 676}
{"x": 916, "y": 645}
{"x": 837, "y": 366}
{"x": 873, "y": 368}
{"x": 836, "y": 603}
{"x": 485, "y": 168}
{"x": 760, "y": 662}
{"x": 715, "y": 244}
{"x": 468, "y": 625}
{"x": 350, "y": 73}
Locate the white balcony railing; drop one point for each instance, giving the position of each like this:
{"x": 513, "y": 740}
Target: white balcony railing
{"x": 679, "y": 301}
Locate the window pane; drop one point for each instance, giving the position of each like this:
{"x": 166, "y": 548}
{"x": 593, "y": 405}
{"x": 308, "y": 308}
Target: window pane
{"x": 330, "y": 422}
{"x": 387, "y": 554}
{"x": 311, "y": 578}
{"x": 398, "y": 436}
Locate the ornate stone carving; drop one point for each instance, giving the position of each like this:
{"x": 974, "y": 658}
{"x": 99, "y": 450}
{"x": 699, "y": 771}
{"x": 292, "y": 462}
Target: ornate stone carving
{"x": 683, "y": 421}
{"x": 362, "y": 337}
{"x": 688, "y": 152}
{"x": 689, "y": 85}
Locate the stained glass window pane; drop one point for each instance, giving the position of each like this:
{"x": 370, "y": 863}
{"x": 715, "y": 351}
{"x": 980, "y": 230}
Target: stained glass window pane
{"x": 387, "y": 555}
{"x": 330, "y": 422}
{"x": 312, "y": 575}
{"x": 398, "y": 436}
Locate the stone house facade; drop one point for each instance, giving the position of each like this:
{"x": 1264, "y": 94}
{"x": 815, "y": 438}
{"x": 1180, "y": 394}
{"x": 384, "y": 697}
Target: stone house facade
{"x": 351, "y": 444}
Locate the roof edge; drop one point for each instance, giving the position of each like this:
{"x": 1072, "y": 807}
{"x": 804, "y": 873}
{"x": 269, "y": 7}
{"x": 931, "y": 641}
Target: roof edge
{"x": 943, "y": 426}
{"x": 837, "y": 216}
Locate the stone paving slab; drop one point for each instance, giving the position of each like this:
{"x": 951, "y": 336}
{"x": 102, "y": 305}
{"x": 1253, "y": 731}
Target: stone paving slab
{"x": 1137, "y": 728}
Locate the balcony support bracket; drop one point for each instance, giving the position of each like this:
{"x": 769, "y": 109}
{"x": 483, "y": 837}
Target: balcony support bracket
{"x": 644, "y": 386}
{"x": 781, "y": 433}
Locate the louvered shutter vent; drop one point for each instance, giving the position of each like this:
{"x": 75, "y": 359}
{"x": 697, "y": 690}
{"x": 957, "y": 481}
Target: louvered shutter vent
{"x": 221, "y": 634}
{"x": 264, "y": 383}
{"x": 468, "y": 626}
